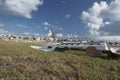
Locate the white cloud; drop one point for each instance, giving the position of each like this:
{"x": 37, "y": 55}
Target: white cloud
{"x": 60, "y": 28}
{"x": 108, "y": 38}
{"x": 67, "y": 16}
{"x": 46, "y": 24}
{"x": 63, "y": 2}
{"x": 36, "y": 34}
{"x": 21, "y": 25}
{"x": 92, "y": 17}
{"x": 2, "y": 31}
{"x": 46, "y": 28}
{"x": 1, "y": 24}
{"x": 26, "y": 33}
{"x": 112, "y": 11}
{"x": 19, "y": 7}
{"x": 53, "y": 27}
{"x": 100, "y": 15}
{"x": 59, "y": 35}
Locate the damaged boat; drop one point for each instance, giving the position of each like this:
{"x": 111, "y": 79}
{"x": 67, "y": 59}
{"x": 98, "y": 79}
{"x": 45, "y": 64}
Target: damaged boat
{"x": 71, "y": 45}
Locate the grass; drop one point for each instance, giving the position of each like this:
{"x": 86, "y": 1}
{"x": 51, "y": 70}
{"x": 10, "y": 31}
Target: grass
{"x": 20, "y": 62}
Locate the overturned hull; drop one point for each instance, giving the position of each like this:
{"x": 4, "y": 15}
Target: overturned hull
{"x": 70, "y": 45}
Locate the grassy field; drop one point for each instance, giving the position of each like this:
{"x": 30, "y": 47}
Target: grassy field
{"x": 20, "y": 62}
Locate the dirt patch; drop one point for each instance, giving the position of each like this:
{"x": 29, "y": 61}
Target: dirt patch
{"x": 92, "y": 51}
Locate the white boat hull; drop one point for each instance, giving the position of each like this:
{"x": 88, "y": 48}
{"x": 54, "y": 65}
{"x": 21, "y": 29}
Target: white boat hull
{"x": 53, "y": 46}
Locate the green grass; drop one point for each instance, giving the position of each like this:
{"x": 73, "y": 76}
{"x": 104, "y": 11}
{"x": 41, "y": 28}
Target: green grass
{"x": 20, "y": 62}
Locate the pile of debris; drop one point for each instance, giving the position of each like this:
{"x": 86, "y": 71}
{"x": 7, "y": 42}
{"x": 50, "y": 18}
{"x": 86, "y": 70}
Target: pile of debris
{"x": 92, "y": 51}
{"x": 112, "y": 52}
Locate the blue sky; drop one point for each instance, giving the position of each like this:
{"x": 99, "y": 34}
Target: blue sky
{"x": 36, "y": 17}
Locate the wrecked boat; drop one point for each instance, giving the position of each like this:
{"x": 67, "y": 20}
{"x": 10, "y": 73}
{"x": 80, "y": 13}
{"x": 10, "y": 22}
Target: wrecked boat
{"x": 71, "y": 45}
{"x": 90, "y": 48}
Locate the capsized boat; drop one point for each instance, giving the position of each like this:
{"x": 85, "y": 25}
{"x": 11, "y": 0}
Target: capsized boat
{"x": 78, "y": 45}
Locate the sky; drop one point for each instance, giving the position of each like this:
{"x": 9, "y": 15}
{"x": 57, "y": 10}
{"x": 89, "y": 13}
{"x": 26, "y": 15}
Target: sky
{"x": 63, "y": 17}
